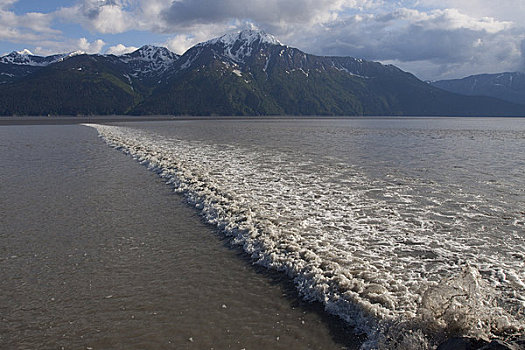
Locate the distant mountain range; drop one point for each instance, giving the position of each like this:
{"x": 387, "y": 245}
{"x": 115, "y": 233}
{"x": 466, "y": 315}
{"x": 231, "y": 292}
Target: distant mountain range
{"x": 509, "y": 86}
{"x": 246, "y": 73}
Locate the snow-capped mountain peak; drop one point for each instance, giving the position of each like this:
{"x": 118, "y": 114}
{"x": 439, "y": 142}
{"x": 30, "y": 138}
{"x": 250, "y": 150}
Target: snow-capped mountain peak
{"x": 238, "y": 46}
{"x": 23, "y": 57}
{"x": 152, "y": 53}
{"x": 75, "y": 53}
{"x": 248, "y": 37}
{"x": 149, "y": 60}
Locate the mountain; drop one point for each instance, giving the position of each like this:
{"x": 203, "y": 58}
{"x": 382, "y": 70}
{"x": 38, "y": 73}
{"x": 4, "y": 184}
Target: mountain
{"x": 251, "y": 73}
{"x": 11, "y": 72}
{"x": 26, "y": 58}
{"x": 246, "y": 73}
{"x": 149, "y": 61}
{"x": 83, "y": 84}
{"x": 19, "y": 64}
{"x": 78, "y": 83}
{"x": 509, "y": 86}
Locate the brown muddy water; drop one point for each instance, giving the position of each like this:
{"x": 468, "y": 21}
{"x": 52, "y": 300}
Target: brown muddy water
{"x": 96, "y": 252}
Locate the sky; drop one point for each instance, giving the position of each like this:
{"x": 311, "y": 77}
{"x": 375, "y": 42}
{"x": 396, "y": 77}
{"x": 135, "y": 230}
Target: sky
{"x": 434, "y": 39}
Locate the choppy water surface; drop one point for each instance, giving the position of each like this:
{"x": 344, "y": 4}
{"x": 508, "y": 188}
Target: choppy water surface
{"x": 411, "y": 230}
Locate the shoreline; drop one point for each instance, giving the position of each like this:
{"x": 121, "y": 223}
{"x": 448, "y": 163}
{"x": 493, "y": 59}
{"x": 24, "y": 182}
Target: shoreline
{"x": 71, "y": 120}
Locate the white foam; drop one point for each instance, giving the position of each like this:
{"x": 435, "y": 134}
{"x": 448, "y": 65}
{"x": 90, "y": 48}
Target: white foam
{"x": 380, "y": 257}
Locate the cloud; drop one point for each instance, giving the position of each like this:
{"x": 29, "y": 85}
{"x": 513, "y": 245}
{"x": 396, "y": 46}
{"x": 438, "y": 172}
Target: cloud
{"x": 102, "y": 16}
{"x": 274, "y": 14}
{"x": 448, "y": 19}
{"x": 182, "y": 16}
{"x": 90, "y": 47}
{"x": 120, "y": 49}
{"x": 522, "y": 51}
{"x": 180, "y": 43}
{"x": 28, "y": 27}
{"x": 201, "y": 32}
{"x": 148, "y": 15}
{"x": 37, "y": 22}
{"x": 508, "y": 10}
{"x": 4, "y": 4}
{"x": 50, "y": 47}
{"x": 447, "y": 41}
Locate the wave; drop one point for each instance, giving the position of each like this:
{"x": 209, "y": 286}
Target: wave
{"x": 383, "y": 257}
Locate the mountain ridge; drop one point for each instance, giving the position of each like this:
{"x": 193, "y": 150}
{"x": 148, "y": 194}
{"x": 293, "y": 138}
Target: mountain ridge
{"x": 245, "y": 73}
{"x": 27, "y": 58}
{"x": 508, "y": 86}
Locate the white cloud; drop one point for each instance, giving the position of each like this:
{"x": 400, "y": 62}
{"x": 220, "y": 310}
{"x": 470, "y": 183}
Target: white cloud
{"x": 30, "y": 27}
{"x": 37, "y": 22}
{"x": 120, "y": 49}
{"x": 449, "y": 19}
{"x": 50, "y": 47}
{"x": 112, "y": 19}
{"x": 180, "y": 43}
{"x": 6, "y": 3}
{"x": 148, "y": 15}
{"x": 90, "y": 47}
{"x": 506, "y": 10}
{"x": 102, "y": 16}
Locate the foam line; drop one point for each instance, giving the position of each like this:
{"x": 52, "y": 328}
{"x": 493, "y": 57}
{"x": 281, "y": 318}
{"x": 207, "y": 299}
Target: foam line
{"x": 399, "y": 266}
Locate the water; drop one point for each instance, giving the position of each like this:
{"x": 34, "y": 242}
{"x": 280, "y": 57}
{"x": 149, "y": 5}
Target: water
{"x": 411, "y": 230}
{"x": 96, "y": 252}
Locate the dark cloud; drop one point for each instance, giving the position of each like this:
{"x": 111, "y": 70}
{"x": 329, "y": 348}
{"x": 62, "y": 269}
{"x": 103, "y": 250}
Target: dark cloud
{"x": 411, "y": 43}
{"x": 92, "y": 8}
{"x": 199, "y": 11}
{"x": 264, "y": 12}
{"x": 522, "y": 64}
{"x": 418, "y": 43}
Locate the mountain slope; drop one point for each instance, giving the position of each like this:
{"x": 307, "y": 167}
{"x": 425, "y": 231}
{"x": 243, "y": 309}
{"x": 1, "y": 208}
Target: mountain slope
{"x": 82, "y": 84}
{"x": 12, "y": 72}
{"x": 509, "y": 86}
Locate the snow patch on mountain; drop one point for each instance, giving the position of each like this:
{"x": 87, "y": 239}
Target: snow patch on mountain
{"x": 25, "y": 52}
